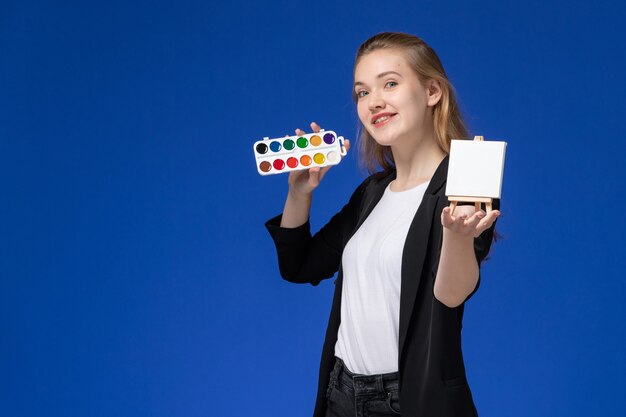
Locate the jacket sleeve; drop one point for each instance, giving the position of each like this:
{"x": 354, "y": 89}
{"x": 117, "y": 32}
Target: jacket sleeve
{"x": 303, "y": 258}
{"x": 482, "y": 245}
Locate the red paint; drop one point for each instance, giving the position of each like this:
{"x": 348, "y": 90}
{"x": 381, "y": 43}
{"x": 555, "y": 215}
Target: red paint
{"x": 292, "y": 162}
{"x": 279, "y": 164}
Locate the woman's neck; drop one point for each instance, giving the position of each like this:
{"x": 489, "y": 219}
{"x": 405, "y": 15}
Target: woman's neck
{"x": 416, "y": 162}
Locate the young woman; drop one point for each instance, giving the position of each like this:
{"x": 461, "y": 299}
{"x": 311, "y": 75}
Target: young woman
{"x": 406, "y": 264}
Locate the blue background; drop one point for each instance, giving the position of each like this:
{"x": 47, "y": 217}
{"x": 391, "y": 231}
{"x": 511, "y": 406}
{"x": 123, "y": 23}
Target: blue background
{"x": 136, "y": 277}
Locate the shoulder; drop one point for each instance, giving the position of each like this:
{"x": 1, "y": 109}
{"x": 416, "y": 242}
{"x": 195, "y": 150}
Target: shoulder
{"x": 367, "y": 192}
{"x": 377, "y": 178}
{"x": 371, "y": 182}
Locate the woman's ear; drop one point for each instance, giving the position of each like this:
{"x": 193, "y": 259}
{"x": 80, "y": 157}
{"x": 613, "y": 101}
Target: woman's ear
{"x": 433, "y": 92}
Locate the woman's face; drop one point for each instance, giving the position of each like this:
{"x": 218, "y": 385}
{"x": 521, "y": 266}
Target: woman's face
{"x": 392, "y": 103}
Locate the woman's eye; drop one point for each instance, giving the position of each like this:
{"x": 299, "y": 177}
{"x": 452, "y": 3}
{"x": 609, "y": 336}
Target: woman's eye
{"x": 391, "y": 84}
{"x": 361, "y": 93}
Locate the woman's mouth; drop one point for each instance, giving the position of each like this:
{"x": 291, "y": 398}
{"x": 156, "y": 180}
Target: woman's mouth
{"x": 382, "y": 119}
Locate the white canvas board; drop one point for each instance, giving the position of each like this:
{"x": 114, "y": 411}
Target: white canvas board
{"x": 475, "y": 168}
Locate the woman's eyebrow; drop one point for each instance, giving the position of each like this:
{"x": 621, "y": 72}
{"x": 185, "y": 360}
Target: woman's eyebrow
{"x": 381, "y": 75}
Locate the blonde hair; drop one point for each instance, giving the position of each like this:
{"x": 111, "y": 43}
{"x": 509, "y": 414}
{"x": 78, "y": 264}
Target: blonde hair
{"x": 447, "y": 119}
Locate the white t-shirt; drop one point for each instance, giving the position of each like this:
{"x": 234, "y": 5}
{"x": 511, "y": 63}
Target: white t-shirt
{"x": 370, "y": 300}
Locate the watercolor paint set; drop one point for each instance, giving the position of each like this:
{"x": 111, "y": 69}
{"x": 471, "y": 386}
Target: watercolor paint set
{"x": 275, "y": 156}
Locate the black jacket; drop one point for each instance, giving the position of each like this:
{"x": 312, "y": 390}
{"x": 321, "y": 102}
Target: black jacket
{"x": 432, "y": 374}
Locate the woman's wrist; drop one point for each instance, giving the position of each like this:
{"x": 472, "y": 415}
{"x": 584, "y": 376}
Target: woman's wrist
{"x": 457, "y": 239}
{"x": 296, "y": 211}
{"x": 299, "y": 197}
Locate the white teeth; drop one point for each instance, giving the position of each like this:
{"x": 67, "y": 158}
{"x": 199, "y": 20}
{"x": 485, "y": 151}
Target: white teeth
{"x": 382, "y": 119}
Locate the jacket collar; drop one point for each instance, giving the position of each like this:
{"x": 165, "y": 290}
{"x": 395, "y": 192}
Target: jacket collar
{"x": 439, "y": 177}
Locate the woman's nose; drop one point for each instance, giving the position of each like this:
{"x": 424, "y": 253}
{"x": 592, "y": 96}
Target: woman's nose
{"x": 376, "y": 102}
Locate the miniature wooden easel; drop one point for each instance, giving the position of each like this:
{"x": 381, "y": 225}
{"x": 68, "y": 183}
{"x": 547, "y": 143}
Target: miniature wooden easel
{"x": 476, "y": 200}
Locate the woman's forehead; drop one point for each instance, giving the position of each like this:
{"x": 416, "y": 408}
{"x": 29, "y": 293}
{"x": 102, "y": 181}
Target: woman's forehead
{"x": 381, "y": 60}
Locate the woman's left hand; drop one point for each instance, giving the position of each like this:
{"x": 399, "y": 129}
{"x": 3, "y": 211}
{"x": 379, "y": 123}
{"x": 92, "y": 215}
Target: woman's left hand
{"x": 467, "y": 221}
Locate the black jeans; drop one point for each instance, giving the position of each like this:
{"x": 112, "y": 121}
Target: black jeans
{"x": 353, "y": 395}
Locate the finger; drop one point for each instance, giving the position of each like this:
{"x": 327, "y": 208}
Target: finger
{"x": 314, "y": 176}
{"x": 294, "y": 175}
{"x": 346, "y": 144}
{"x": 460, "y": 219}
{"x": 447, "y": 219}
{"x": 473, "y": 221}
{"x": 299, "y": 132}
{"x": 487, "y": 221}
{"x": 315, "y": 127}
{"x": 323, "y": 171}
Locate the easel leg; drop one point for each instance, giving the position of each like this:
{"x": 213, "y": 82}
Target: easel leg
{"x": 452, "y": 207}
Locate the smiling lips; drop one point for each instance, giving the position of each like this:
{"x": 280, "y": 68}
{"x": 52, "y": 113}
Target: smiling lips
{"x": 381, "y": 119}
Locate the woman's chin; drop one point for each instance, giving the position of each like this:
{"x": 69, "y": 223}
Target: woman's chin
{"x": 383, "y": 144}
{"x": 384, "y": 140}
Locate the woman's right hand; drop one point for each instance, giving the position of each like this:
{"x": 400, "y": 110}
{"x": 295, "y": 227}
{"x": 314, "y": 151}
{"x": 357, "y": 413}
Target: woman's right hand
{"x": 303, "y": 182}
{"x": 301, "y": 186}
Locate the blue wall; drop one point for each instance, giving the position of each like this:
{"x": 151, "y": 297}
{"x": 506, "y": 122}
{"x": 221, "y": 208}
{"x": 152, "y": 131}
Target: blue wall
{"x": 136, "y": 278}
